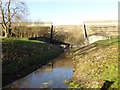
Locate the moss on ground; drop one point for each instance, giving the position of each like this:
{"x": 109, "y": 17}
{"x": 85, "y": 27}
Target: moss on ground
{"x": 21, "y": 56}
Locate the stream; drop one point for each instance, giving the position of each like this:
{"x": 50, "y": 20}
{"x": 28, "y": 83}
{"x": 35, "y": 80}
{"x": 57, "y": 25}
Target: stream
{"x": 52, "y": 75}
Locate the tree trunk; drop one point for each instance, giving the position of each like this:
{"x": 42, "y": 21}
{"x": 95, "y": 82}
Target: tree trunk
{"x": 9, "y": 20}
{"x": 6, "y": 34}
{"x": 6, "y": 25}
{"x": 6, "y": 31}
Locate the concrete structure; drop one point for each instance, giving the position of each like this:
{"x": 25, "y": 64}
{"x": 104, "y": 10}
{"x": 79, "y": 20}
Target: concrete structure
{"x": 95, "y": 38}
{"x": 101, "y": 29}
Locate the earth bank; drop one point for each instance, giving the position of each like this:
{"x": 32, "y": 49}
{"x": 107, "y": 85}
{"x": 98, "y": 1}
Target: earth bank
{"x": 21, "y": 56}
{"x": 96, "y": 64}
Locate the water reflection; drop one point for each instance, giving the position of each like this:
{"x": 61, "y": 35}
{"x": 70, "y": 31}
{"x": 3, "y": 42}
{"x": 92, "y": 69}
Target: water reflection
{"x": 51, "y": 75}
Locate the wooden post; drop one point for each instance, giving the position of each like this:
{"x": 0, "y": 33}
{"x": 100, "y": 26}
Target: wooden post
{"x": 51, "y": 34}
{"x": 86, "y": 35}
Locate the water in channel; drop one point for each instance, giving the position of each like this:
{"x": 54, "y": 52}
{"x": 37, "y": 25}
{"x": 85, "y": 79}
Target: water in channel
{"x": 52, "y": 75}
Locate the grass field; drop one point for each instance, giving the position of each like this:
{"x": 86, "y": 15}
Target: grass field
{"x": 21, "y": 56}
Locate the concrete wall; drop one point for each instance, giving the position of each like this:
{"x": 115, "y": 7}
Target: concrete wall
{"x": 74, "y": 34}
{"x": 104, "y": 30}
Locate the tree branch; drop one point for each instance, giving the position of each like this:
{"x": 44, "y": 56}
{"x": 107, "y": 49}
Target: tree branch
{"x": 14, "y": 12}
{"x": 13, "y": 15}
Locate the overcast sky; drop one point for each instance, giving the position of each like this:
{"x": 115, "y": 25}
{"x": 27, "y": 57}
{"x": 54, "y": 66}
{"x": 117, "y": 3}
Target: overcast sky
{"x": 72, "y": 11}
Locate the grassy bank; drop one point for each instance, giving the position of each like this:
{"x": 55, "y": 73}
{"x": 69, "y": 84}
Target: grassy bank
{"x": 96, "y": 64}
{"x": 21, "y": 56}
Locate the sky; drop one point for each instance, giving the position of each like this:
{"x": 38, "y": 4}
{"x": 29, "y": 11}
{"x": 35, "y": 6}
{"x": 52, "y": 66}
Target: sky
{"x": 72, "y": 11}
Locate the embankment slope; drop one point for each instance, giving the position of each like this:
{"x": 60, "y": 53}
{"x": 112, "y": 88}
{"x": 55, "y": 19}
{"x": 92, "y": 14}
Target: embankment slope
{"x": 96, "y": 63}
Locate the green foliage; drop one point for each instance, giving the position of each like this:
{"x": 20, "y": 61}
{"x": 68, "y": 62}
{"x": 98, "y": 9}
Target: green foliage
{"x": 73, "y": 85}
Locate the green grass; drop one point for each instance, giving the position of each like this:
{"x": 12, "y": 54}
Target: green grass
{"x": 22, "y": 56}
{"x": 97, "y": 63}
{"x": 72, "y": 84}
{"x": 113, "y": 41}
{"x": 110, "y": 71}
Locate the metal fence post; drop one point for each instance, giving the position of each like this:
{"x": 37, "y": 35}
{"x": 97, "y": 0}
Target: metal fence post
{"x": 51, "y": 34}
{"x": 86, "y": 35}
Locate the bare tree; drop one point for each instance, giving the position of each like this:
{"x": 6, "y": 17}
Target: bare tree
{"x": 11, "y": 11}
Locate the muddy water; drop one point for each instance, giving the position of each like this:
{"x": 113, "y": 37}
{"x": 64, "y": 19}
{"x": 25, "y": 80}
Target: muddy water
{"x": 52, "y": 75}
